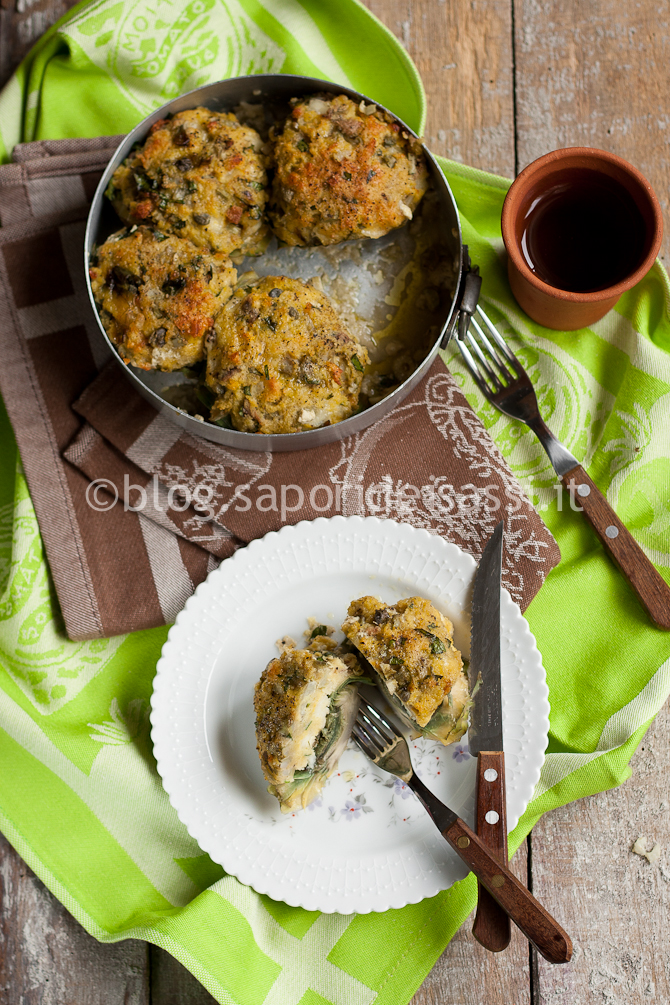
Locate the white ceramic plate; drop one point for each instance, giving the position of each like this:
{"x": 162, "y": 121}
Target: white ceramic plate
{"x": 366, "y": 844}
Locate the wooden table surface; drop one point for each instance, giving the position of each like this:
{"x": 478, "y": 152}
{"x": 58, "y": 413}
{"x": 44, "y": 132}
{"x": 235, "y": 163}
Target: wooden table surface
{"x": 506, "y": 81}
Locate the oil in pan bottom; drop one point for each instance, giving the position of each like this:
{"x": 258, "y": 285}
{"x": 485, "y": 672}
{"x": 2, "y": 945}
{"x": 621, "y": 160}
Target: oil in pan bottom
{"x": 395, "y": 294}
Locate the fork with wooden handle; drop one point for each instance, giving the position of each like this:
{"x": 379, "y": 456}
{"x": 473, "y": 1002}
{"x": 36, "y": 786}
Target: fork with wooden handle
{"x": 504, "y": 382}
{"x": 380, "y": 740}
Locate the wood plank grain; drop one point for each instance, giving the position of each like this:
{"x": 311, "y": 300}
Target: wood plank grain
{"x": 595, "y": 74}
{"x": 470, "y": 119}
{"x": 614, "y": 903}
{"x": 173, "y": 984}
{"x": 46, "y": 957}
{"x": 463, "y": 51}
{"x": 605, "y": 88}
{"x": 467, "y": 974}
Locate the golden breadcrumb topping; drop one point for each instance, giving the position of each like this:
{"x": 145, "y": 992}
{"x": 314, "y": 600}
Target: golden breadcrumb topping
{"x": 343, "y": 171}
{"x": 280, "y": 359}
{"x": 199, "y": 175}
{"x": 158, "y": 296}
{"x": 410, "y": 645}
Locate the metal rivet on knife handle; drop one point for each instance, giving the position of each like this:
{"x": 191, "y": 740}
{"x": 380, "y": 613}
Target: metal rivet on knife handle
{"x": 389, "y": 750}
{"x": 550, "y": 940}
{"x": 491, "y": 926}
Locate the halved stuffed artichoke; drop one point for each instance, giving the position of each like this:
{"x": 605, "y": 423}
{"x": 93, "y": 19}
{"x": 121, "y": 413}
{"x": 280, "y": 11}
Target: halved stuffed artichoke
{"x": 306, "y": 703}
{"x": 411, "y": 650}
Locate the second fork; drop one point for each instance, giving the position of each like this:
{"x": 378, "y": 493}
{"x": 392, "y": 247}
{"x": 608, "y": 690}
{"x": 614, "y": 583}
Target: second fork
{"x": 503, "y": 381}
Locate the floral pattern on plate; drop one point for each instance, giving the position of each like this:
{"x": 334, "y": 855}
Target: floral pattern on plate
{"x": 203, "y": 721}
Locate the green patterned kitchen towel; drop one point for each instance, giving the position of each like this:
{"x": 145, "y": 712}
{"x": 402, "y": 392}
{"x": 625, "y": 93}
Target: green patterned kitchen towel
{"x": 79, "y": 794}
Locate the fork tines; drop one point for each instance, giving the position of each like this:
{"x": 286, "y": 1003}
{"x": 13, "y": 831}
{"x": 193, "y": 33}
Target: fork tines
{"x": 488, "y": 379}
{"x": 372, "y": 731}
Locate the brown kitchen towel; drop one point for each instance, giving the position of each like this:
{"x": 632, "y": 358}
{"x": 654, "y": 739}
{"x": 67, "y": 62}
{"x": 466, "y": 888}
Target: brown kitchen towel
{"x": 138, "y": 512}
{"x": 429, "y": 463}
{"x": 113, "y": 571}
{"x": 170, "y": 506}
{"x": 52, "y": 176}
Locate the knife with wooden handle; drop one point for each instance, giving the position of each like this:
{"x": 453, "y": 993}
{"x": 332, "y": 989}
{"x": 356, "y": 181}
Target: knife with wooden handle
{"x": 491, "y": 925}
{"x": 506, "y": 891}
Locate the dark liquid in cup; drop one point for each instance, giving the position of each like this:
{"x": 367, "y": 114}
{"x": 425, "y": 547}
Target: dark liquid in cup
{"x": 584, "y": 233}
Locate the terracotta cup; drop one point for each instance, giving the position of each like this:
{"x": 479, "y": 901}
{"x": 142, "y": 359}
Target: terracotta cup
{"x": 563, "y": 309}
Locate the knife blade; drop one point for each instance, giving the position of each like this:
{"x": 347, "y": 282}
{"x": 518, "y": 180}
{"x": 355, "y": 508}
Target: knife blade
{"x": 491, "y": 926}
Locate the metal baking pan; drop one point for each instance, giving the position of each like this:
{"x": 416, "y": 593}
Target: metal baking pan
{"x": 274, "y": 91}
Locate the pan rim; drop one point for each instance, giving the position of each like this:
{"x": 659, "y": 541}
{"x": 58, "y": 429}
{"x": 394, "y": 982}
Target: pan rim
{"x": 273, "y": 442}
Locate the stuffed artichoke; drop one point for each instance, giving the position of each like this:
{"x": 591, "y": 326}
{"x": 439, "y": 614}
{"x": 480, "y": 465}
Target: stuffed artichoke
{"x": 411, "y": 650}
{"x": 305, "y": 703}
